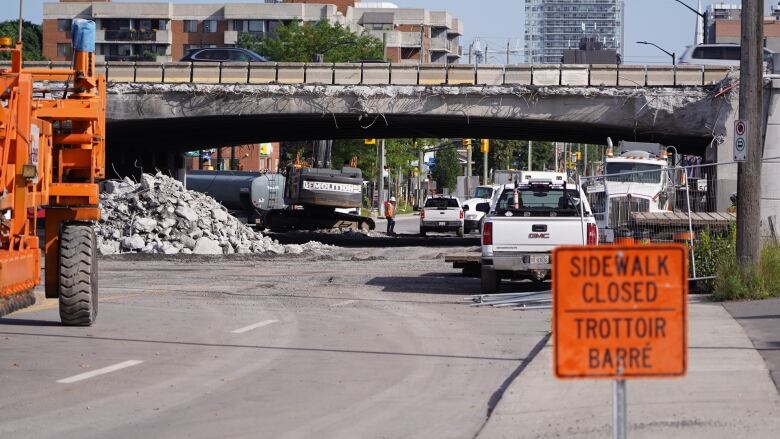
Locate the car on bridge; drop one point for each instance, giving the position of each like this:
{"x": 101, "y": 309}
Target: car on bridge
{"x": 223, "y": 54}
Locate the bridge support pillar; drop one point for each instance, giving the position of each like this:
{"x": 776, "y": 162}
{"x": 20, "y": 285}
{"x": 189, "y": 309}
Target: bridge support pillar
{"x": 770, "y": 200}
{"x": 721, "y": 150}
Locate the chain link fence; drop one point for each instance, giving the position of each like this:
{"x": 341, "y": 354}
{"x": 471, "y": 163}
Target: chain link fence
{"x": 644, "y": 203}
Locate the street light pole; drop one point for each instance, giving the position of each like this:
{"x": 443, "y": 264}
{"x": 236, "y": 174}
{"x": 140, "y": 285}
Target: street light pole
{"x": 703, "y": 16}
{"x": 674, "y": 57}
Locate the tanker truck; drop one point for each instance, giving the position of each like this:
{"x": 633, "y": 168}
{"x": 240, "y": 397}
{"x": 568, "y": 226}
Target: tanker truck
{"x": 306, "y": 199}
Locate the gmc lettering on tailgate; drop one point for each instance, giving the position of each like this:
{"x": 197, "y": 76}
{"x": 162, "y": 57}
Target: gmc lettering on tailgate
{"x": 538, "y": 236}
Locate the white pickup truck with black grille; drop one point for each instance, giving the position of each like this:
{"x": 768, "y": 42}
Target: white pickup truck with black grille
{"x": 525, "y": 223}
{"x": 441, "y": 214}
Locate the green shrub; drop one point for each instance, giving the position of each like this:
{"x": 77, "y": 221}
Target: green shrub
{"x": 737, "y": 282}
{"x": 712, "y": 250}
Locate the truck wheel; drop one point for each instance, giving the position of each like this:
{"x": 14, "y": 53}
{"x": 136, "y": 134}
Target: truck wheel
{"x": 423, "y": 232}
{"x": 460, "y": 232}
{"x": 491, "y": 283}
{"x": 78, "y": 284}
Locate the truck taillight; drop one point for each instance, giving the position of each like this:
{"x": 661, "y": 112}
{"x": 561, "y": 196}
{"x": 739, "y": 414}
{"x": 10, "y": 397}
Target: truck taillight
{"x": 487, "y": 234}
{"x": 422, "y": 214}
{"x": 592, "y": 234}
{"x": 461, "y": 214}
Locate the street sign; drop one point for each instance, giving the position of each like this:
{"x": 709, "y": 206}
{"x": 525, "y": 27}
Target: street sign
{"x": 369, "y": 141}
{"x": 620, "y": 311}
{"x": 740, "y": 140}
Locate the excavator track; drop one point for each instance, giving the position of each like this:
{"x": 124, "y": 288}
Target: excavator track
{"x": 15, "y": 302}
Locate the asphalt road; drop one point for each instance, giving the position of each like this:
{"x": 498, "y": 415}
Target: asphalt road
{"x": 761, "y": 321}
{"x": 354, "y": 343}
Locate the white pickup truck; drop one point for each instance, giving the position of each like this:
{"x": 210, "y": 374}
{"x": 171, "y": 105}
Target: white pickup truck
{"x": 441, "y": 214}
{"x": 525, "y": 222}
{"x": 473, "y": 217}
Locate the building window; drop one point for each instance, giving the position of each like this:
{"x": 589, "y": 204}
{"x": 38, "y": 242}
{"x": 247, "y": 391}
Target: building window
{"x": 209, "y": 26}
{"x": 63, "y": 25}
{"x": 190, "y": 26}
{"x": 256, "y": 26}
{"x": 64, "y": 50}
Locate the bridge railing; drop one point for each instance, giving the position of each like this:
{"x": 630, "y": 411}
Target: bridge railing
{"x": 574, "y": 75}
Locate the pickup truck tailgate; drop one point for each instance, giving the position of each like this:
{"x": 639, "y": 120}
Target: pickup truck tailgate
{"x": 449, "y": 214}
{"x": 536, "y": 234}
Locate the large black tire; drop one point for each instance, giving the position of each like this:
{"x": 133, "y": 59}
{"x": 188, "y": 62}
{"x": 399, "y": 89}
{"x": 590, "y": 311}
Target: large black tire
{"x": 78, "y": 283}
{"x": 423, "y": 232}
{"x": 491, "y": 283}
{"x": 460, "y": 232}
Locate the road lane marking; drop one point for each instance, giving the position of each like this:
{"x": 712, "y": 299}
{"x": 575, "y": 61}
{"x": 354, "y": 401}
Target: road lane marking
{"x": 254, "y": 326}
{"x": 42, "y": 303}
{"x": 103, "y": 371}
{"x": 344, "y": 303}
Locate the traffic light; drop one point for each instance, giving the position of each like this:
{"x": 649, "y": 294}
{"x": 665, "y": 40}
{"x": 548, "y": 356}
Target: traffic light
{"x": 484, "y": 146}
{"x": 467, "y": 143}
{"x": 579, "y": 155}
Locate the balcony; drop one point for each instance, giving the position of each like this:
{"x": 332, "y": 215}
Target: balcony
{"x": 403, "y": 39}
{"x": 440, "y": 45}
{"x": 132, "y": 35}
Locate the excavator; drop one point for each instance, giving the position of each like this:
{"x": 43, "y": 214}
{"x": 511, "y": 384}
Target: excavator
{"x": 52, "y": 155}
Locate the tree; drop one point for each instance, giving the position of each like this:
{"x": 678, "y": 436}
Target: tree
{"x": 31, "y": 39}
{"x": 299, "y": 43}
{"x": 446, "y": 169}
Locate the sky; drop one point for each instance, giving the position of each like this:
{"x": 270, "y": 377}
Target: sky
{"x": 496, "y": 22}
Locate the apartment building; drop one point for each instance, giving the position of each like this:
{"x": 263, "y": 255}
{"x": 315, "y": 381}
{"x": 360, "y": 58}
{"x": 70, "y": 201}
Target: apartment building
{"x": 256, "y": 157}
{"x": 553, "y": 26}
{"x": 166, "y": 31}
{"x": 411, "y": 34}
{"x": 724, "y": 25}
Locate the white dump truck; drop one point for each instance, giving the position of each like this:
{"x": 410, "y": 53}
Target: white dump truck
{"x": 638, "y": 179}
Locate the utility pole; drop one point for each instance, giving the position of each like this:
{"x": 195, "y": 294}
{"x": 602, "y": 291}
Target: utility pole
{"x": 508, "y": 50}
{"x": 471, "y": 51}
{"x": 529, "y": 156}
{"x": 381, "y": 198}
{"x": 557, "y": 158}
{"x": 750, "y": 110}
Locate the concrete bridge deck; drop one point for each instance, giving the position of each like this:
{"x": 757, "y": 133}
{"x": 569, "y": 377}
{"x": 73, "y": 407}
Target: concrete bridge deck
{"x": 604, "y": 75}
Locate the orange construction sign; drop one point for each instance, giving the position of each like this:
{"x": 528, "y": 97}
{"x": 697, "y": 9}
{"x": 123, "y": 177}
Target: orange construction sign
{"x": 620, "y": 311}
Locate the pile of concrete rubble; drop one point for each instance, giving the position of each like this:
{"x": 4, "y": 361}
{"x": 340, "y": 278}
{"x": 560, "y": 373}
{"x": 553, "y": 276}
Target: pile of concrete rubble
{"x": 158, "y": 215}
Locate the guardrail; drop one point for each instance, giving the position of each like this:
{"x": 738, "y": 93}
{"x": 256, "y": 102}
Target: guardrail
{"x": 570, "y": 75}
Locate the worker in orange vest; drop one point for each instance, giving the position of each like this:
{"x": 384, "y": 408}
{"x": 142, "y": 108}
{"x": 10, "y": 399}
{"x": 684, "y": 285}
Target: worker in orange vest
{"x": 390, "y": 215}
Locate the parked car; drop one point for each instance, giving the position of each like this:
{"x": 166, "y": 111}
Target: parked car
{"x": 223, "y": 54}
{"x": 722, "y": 54}
{"x": 441, "y": 214}
{"x": 524, "y": 224}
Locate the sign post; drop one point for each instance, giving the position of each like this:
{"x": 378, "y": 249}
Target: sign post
{"x": 620, "y": 312}
{"x": 740, "y": 140}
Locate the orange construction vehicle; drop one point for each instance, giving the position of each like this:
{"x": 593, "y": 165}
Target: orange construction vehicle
{"x": 52, "y": 154}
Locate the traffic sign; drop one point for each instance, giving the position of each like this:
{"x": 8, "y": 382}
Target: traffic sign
{"x": 620, "y": 311}
{"x": 740, "y": 140}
